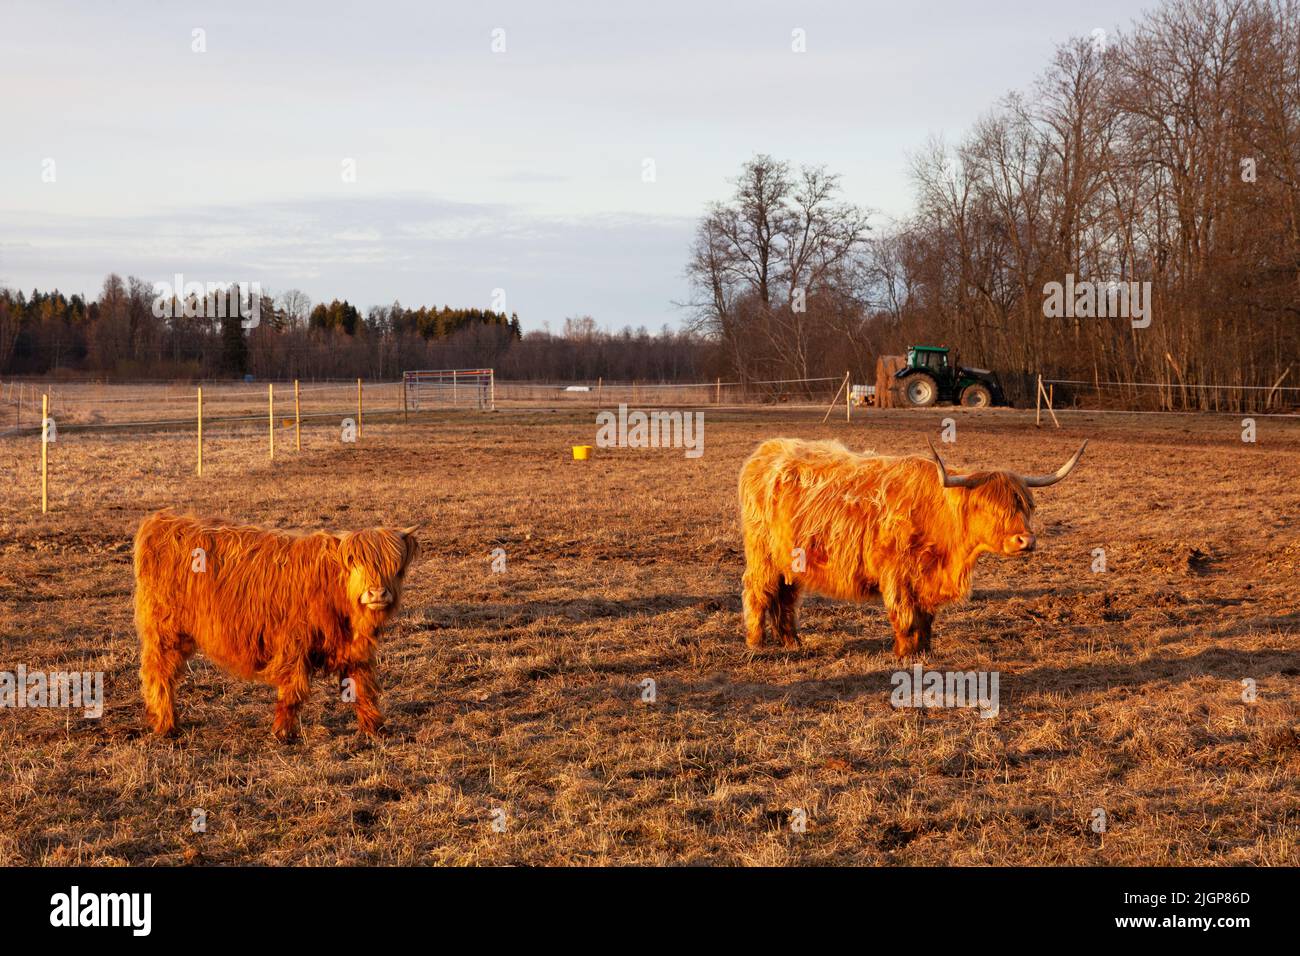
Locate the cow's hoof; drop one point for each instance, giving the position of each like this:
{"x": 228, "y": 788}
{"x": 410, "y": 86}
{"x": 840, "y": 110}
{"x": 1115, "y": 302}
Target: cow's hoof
{"x": 905, "y": 649}
{"x": 287, "y": 735}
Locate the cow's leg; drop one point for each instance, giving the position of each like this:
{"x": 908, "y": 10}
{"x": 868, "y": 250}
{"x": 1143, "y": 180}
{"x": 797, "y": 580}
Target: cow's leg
{"x": 924, "y": 621}
{"x": 785, "y": 614}
{"x": 911, "y": 637}
{"x": 908, "y": 620}
{"x": 903, "y": 638}
{"x": 760, "y": 591}
{"x": 293, "y": 686}
{"x": 161, "y": 658}
{"x": 911, "y": 622}
{"x": 366, "y": 689}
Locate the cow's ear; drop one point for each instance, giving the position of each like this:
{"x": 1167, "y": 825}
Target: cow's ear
{"x": 411, "y": 542}
{"x": 347, "y": 553}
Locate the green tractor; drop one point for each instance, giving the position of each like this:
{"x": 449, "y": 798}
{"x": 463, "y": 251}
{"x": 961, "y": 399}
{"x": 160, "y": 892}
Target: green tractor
{"x": 927, "y": 378}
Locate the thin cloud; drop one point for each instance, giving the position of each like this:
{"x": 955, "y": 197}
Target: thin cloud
{"x": 625, "y": 269}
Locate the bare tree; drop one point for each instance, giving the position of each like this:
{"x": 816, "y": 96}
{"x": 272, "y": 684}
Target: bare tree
{"x": 769, "y": 265}
{"x": 295, "y": 305}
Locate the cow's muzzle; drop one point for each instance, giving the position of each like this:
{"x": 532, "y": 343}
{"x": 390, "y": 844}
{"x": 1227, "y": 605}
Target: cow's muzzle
{"x": 377, "y": 599}
{"x": 1023, "y": 543}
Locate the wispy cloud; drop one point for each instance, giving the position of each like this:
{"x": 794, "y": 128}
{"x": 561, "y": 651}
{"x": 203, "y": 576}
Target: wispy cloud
{"x": 621, "y": 268}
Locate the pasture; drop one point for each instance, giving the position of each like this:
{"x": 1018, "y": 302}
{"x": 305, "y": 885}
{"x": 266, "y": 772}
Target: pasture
{"x": 517, "y": 729}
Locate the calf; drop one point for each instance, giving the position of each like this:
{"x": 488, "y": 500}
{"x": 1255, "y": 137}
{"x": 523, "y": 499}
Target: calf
{"x": 267, "y": 606}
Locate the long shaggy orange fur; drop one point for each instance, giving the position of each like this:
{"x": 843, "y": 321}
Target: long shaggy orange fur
{"x": 265, "y": 605}
{"x": 818, "y": 517}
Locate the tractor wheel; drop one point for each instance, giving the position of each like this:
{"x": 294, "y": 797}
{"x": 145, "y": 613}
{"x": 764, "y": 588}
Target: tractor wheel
{"x": 976, "y": 396}
{"x": 922, "y": 391}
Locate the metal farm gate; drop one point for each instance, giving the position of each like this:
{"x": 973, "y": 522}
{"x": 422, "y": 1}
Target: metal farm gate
{"x": 449, "y": 388}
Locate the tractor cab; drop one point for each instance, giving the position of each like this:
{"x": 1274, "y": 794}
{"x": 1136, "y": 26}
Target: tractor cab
{"x": 933, "y": 358}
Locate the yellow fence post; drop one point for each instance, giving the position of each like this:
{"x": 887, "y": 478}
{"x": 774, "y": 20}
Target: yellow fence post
{"x": 297, "y": 418}
{"x": 270, "y": 418}
{"x": 200, "y": 431}
{"x": 45, "y": 446}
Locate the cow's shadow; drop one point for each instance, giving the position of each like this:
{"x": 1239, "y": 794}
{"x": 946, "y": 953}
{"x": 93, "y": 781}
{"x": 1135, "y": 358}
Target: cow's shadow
{"x": 446, "y": 615}
{"x": 1222, "y": 663}
{"x": 875, "y": 683}
{"x": 864, "y": 637}
{"x": 811, "y": 694}
{"x": 979, "y": 595}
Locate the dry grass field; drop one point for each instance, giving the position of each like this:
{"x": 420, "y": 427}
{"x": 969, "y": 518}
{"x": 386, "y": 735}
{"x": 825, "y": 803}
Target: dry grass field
{"x": 521, "y": 691}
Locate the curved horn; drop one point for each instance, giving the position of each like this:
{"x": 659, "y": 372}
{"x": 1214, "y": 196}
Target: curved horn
{"x": 1042, "y": 481}
{"x": 949, "y": 481}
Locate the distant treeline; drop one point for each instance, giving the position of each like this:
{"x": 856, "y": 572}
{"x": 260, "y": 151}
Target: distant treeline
{"x": 118, "y": 336}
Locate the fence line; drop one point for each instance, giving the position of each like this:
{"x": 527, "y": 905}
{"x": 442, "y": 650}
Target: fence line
{"x": 218, "y": 393}
{"x": 200, "y": 418}
{"x": 1175, "y": 385}
{"x": 742, "y": 393}
{"x": 1179, "y": 396}
{"x": 714, "y": 384}
{"x": 1162, "y": 411}
{"x": 207, "y": 420}
{"x": 75, "y": 409}
{"x": 80, "y": 415}
{"x": 47, "y": 426}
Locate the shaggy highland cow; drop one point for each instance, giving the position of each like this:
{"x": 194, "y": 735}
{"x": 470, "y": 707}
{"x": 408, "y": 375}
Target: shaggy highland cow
{"x": 817, "y": 517}
{"x": 267, "y": 606}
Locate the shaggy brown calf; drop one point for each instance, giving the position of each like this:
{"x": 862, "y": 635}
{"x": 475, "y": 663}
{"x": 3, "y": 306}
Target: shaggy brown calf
{"x": 817, "y": 517}
{"x": 267, "y": 606}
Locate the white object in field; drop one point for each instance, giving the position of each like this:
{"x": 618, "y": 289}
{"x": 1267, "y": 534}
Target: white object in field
{"x": 861, "y": 393}
{"x": 577, "y": 388}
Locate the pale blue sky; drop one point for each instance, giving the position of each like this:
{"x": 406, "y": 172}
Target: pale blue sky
{"x": 475, "y": 170}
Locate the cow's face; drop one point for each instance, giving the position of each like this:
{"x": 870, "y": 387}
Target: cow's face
{"x": 375, "y": 562}
{"x": 999, "y": 512}
{"x": 997, "y": 506}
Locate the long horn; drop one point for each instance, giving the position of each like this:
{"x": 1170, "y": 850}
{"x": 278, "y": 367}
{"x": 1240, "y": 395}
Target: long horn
{"x": 949, "y": 481}
{"x": 1042, "y": 481}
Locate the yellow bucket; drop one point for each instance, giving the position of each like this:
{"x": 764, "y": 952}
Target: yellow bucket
{"x": 581, "y": 452}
